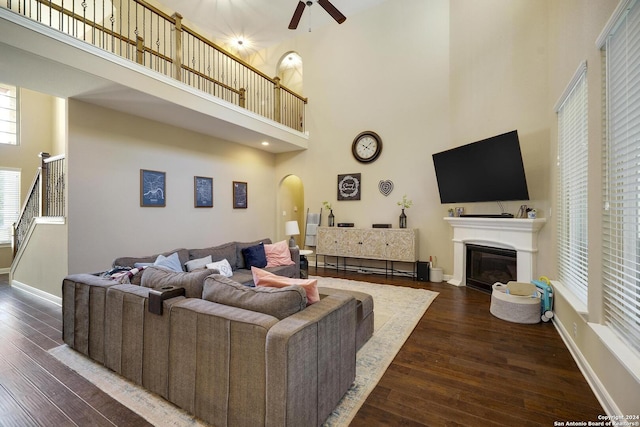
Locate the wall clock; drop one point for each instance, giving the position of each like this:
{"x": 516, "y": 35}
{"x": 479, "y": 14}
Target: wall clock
{"x": 366, "y": 147}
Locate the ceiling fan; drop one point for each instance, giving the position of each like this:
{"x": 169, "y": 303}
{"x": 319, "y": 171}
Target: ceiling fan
{"x": 326, "y": 5}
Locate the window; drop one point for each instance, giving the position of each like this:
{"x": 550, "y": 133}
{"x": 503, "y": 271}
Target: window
{"x": 9, "y": 114}
{"x": 9, "y": 202}
{"x": 621, "y": 176}
{"x": 572, "y": 226}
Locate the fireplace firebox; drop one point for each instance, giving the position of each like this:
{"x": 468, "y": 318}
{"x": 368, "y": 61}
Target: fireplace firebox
{"x": 488, "y": 265}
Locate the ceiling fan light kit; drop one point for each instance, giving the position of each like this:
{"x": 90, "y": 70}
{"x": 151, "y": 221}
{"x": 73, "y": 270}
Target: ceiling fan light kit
{"x": 326, "y": 5}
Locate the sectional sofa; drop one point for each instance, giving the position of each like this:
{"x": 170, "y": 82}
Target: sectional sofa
{"x": 229, "y": 353}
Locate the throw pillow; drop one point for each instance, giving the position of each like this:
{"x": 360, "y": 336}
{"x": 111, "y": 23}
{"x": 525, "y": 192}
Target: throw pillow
{"x": 223, "y": 267}
{"x": 278, "y": 254}
{"x": 277, "y": 302}
{"x": 196, "y": 264}
{"x": 192, "y": 282}
{"x": 171, "y": 262}
{"x": 265, "y": 278}
{"x": 254, "y": 256}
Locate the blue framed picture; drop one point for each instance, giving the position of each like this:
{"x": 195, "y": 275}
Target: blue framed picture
{"x": 239, "y": 195}
{"x": 153, "y": 191}
{"x": 203, "y": 191}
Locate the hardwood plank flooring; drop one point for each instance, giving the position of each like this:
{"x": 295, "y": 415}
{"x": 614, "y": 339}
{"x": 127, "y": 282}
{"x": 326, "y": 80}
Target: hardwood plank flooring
{"x": 460, "y": 367}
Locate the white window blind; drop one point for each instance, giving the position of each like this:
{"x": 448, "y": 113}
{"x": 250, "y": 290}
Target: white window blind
{"x": 9, "y": 202}
{"x": 571, "y": 210}
{"x": 8, "y": 114}
{"x": 621, "y": 218}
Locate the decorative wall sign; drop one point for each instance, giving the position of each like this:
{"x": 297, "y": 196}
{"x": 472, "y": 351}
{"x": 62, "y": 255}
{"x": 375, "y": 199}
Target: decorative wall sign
{"x": 349, "y": 187}
{"x": 385, "y": 186}
{"x": 203, "y": 192}
{"x": 152, "y": 188}
{"x": 239, "y": 195}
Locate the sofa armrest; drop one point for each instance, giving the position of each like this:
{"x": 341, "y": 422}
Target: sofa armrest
{"x": 295, "y": 257}
{"x": 311, "y": 358}
{"x": 83, "y": 311}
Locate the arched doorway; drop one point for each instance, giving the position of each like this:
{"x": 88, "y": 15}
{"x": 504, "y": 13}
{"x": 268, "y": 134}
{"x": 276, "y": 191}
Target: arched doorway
{"x": 289, "y": 70}
{"x": 291, "y": 206}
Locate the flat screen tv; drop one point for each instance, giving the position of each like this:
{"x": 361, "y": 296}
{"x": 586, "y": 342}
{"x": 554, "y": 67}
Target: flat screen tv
{"x": 490, "y": 170}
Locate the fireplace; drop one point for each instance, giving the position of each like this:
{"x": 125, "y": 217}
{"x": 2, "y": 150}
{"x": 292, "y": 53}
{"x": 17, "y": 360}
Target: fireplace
{"x": 517, "y": 234}
{"x": 488, "y": 265}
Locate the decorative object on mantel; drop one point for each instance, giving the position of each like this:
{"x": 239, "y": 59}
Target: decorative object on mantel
{"x": 332, "y": 219}
{"x": 385, "y": 186}
{"x": 459, "y": 211}
{"x": 406, "y": 204}
{"x": 450, "y": 212}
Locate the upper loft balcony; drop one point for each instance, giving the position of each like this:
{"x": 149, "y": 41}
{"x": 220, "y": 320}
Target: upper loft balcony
{"x": 136, "y": 59}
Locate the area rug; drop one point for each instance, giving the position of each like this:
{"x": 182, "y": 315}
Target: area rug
{"x": 397, "y": 312}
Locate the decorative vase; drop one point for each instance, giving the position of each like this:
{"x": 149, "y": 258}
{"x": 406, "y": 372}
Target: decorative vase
{"x": 332, "y": 219}
{"x": 403, "y": 220}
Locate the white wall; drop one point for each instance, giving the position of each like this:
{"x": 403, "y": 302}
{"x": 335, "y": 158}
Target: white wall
{"x": 106, "y": 151}
{"x": 426, "y": 75}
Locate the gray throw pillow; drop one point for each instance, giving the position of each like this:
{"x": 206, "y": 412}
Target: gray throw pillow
{"x": 277, "y": 302}
{"x": 192, "y": 282}
{"x": 195, "y": 264}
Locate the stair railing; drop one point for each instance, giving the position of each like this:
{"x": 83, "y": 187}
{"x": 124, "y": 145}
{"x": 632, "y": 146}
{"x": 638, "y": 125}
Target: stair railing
{"x": 46, "y": 197}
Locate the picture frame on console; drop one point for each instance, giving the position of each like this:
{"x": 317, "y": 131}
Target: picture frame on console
{"x": 240, "y": 198}
{"x": 153, "y": 192}
{"x": 202, "y": 192}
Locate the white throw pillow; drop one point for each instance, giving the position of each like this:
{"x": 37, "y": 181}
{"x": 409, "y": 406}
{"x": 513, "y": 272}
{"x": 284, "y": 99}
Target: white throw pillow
{"x": 195, "y": 264}
{"x": 222, "y": 266}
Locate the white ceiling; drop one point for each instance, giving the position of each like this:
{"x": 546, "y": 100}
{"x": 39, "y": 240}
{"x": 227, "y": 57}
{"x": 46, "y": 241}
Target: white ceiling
{"x": 261, "y": 23}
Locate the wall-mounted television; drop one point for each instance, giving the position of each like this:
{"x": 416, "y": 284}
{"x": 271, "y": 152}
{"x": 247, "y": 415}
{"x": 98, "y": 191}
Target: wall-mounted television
{"x": 490, "y": 170}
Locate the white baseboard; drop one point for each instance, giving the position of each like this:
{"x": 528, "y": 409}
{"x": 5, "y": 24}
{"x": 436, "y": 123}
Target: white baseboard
{"x": 5, "y": 270}
{"x": 37, "y": 292}
{"x": 597, "y": 387}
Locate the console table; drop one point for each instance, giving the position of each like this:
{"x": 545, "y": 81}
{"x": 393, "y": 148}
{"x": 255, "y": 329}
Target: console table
{"x": 384, "y": 244}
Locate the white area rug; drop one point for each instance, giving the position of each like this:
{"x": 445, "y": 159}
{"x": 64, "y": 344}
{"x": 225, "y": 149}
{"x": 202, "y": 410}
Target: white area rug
{"x": 397, "y": 311}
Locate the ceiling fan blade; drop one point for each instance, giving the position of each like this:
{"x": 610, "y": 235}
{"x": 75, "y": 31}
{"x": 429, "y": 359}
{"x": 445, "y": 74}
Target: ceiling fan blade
{"x": 295, "y": 19}
{"x": 331, "y": 10}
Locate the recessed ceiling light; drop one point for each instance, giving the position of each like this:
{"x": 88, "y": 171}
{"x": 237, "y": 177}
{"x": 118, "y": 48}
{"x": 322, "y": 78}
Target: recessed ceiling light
{"x": 265, "y": 143}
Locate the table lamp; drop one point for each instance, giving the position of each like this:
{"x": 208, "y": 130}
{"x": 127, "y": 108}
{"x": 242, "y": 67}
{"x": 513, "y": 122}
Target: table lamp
{"x": 291, "y": 229}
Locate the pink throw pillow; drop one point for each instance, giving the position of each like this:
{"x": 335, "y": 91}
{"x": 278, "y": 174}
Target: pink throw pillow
{"x": 278, "y": 254}
{"x": 265, "y": 278}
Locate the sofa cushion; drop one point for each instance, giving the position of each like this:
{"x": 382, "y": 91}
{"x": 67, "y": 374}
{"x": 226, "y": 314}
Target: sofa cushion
{"x": 198, "y": 263}
{"x": 264, "y": 278}
{"x": 277, "y": 302}
{"x": 171, "y": 262}
{"x": 222, "y": 266}
{"x": 192, "y": 282}
{"x": 240, "y": 246}
{"x": 183, "y": 255}
{"x": 254, "y": 256}
{"x": 278, "y": 254}
{"x": 218, "y": 253}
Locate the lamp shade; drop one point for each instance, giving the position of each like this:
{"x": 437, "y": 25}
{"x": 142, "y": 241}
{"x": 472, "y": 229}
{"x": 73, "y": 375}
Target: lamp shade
{"x": 291, "y": 228}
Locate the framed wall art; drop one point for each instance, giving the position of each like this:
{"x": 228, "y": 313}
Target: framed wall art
{"x": 239, "y": 195}
{"x": 349, "y": 186}
{"x": 203, "y": 192}
{"x": 153, "y": 191}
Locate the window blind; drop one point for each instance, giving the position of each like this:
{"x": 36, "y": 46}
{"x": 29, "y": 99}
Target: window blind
{"x": 571, "y": 210}
{"x": 9, "y": 202}
{"x": 621, "y": 218}
{"x": 8, "y": 114}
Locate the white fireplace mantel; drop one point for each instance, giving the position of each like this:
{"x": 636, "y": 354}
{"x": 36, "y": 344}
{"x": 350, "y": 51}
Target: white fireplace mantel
{"x": 518, "y": 234}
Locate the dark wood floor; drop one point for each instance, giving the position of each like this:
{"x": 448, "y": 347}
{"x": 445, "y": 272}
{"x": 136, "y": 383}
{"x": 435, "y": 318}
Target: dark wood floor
{"x": 460, "y": 367}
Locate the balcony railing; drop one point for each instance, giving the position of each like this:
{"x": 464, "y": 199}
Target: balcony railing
{"x": 142, "y": 33}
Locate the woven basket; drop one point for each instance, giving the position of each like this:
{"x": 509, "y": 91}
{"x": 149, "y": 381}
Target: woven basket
{"x": 514, "y": 308}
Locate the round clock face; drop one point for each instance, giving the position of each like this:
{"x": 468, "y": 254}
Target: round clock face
{"x": 366, "y": 147}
